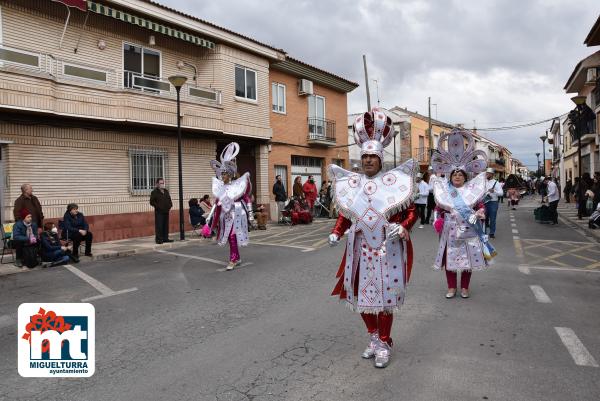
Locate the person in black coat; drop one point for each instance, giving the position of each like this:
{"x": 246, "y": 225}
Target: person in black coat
{"x": 196, "y": 213}
{"x": 77, "y": 229}
{"x": 53, "y": 251}
{"x": 280, "y": 195}
{"x": 160, "y": 200}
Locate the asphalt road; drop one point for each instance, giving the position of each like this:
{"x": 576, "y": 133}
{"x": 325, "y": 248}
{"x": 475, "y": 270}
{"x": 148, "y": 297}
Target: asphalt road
{"x": 187, "y": 330}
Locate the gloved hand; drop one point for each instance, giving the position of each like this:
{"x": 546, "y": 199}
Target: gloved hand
{"x": 394, "y": 231}
{"x": 472, "y": 219}
{"x": 333, "y": 239}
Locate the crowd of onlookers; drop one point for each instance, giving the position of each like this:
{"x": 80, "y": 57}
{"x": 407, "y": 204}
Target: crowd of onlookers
{"x": 37, "y": 242}
{"x": 306, "y": 202}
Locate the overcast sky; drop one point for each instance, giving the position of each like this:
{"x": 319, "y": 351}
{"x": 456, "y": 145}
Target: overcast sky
{"x": 495, "y": 62}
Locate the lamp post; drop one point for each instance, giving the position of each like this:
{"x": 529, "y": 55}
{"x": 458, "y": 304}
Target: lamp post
{"x": 177, "y": 81}
{"x": 543, "y": 138}
{"x": 538, "y": 163}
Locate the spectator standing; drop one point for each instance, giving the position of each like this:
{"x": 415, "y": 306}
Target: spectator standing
{"x": 494, "y": 190}
{"x": 501, "y": 183}
{"x": 310, "y": 193}
{"x": 77, "y": 229}
{"x": 160, "y": 200}
{"x": 297, "y": 189}
{"x": 25, "y": 239}
{"x": 567, "y": 191}
{"x": 29, "y": 201}
{"x": 280, "y": 196}
{"x": 428, "y": 178}
{"x": 553, "y": 198}
{"x": 422, "y": 194}
{"x": 596, "y": 190}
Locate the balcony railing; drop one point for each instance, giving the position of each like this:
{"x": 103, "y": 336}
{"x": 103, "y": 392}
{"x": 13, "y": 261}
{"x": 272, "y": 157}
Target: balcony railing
{"x": 422, "y": 155}
{"x": 41, "y": 64}
{"x": 321, "y": 131}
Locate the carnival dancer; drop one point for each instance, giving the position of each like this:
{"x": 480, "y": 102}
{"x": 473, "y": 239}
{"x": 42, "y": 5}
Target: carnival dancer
{"x": 464, "y": 246}
{"x": 232, "y": 209}
{"x": 377, "y": 212}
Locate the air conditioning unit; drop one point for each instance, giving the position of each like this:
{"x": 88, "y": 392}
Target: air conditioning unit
{"x": 592, "y": 75}
{"x": 305, "y": 87}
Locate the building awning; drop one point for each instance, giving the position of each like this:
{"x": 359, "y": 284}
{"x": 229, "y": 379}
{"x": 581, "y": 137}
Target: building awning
{"x": 148, "y": 24}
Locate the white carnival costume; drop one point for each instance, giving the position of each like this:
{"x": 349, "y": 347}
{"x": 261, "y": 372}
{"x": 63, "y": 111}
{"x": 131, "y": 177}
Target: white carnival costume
{"x": 233, "y": 208}
{"x": 374, "y": 211}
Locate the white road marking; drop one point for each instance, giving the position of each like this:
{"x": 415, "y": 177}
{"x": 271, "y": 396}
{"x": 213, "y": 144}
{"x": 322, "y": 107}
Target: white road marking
{"x": 215, "y": 261}
{"x": 7, "y": 321}
{"x": 516, "y": 237}
{"x": 513, "y": 224}
{"x": 304, "y": 248}
{"x": 524, "y": 269}
{"x": 540, "y": 294}
{"x": 563, "y": 269}
{"x": 515, "y": 231}
{"x": 102, "y": 289}
{"x": 579, "y": 353}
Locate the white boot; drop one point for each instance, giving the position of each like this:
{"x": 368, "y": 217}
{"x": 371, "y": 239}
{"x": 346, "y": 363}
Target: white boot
{"x": 383, "y": 353}
{"x": 230, "y": 266}
{"x": 369, "y": 352}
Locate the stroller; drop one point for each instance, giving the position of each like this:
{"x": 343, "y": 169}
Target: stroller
{"x": 322, "y": 206}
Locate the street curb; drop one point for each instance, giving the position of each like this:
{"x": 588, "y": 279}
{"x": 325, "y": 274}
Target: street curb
{"x": 581, "y": 229}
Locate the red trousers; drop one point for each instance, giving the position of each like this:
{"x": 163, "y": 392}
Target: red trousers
{"x": 465, "y": 279}
{"x": 380, "y": 323}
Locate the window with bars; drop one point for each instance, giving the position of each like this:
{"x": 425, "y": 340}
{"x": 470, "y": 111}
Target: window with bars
{"x": 147, "y": 166}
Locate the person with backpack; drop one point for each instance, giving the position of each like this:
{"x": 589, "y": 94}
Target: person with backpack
{"x": 25, "y": 240}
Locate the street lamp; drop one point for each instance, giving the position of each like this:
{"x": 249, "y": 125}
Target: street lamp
{"x": 177, "y": 81}
{"x": 543, "y": 138}
{"x": 538, "y": 163}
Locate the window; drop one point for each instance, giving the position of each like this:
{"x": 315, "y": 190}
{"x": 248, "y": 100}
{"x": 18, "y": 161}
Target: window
{"x": 19, "y": 57}
{"x": 278, "y": 95}
{"x": 245, "y": 83}
{"x": 306, "y": 161}
{"x": 85, "y": 73}
{"x": 142, "y": 69}
{"x": 316, "y": 115}
{"x": 147, "y": 166}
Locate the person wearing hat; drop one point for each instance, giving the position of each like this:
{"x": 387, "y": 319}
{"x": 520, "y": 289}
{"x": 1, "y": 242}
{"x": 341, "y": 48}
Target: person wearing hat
{"x": 25, "y": 234}
{"x": 77, "y": 229}
{"x": 553, "y": 196}
{"x": 421, "y": 200}
{"x": 494, "y": 190}
{"x": 377, "y": 213}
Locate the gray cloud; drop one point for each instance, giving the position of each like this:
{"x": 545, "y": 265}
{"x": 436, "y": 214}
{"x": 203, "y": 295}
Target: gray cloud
{"x": 492, "y": 61}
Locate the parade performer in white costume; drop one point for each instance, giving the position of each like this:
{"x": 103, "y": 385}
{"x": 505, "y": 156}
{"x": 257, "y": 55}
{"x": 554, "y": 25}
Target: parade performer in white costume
{"x": 377, "y": 210}
{"x": 464, "y": 246}
{"x": 232, "y": 208}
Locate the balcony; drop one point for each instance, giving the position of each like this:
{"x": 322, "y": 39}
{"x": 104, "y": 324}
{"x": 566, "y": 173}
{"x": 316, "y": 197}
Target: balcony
{"x": 81, "y": 74}
{"x": 422, "y": 155}
{"x": 321, "y": 131}
{"x": 501, "y": 162}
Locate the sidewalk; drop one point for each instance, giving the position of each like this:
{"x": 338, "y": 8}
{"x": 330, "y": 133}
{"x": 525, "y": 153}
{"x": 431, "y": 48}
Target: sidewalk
{"x": 568, "y": 212}
{"x": 114, "y": 249}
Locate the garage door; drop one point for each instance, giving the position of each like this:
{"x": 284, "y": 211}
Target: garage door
{"x": 307, "y": 166}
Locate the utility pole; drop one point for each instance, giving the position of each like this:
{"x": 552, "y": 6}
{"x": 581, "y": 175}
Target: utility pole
{"x": 367, "y": 83}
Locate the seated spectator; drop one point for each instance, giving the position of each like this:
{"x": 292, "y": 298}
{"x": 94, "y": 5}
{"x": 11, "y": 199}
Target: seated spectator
{"x": 77, "y": 230}
{"x": 260, "y": 215}
{"x": 196, "y": 213}
{"x": 53, "y": 251}
{"x": 205, "y": 204}
{"x": 25, "y": 236}
{"x": 300, "y": 212}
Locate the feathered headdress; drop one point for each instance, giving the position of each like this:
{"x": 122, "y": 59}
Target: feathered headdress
{"x": 227, "y": 164}
{"x": 456, "y": 156}
{"x": 373, "y": 131}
